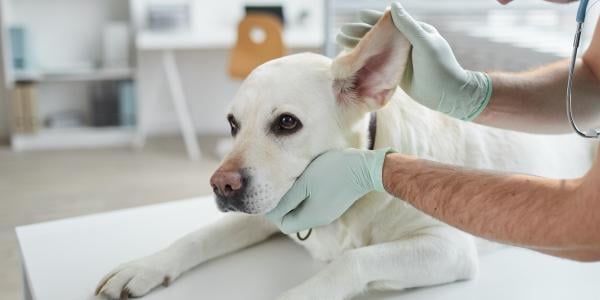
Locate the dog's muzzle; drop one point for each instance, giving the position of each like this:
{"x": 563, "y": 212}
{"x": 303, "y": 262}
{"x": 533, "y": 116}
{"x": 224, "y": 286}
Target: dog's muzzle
{"x": 229, "y": 188}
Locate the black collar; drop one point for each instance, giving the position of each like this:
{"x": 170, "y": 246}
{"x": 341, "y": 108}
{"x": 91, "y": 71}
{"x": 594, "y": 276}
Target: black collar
{"x": 372, "y": 130}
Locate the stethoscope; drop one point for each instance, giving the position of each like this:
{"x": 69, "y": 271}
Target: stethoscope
{"x": 592, "y": 132}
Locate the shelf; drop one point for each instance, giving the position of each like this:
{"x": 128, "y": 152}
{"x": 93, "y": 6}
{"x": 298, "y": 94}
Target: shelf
{"x": 73, "y": 138}
{"x": 75, "y": 76}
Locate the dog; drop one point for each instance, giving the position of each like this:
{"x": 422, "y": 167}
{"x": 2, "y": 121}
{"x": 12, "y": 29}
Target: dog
{"x": 289, "y": 111}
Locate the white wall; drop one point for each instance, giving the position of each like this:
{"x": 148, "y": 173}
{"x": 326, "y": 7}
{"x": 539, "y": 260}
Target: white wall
{"x": 63, "y": 32}
{"x": 206, "y": 86}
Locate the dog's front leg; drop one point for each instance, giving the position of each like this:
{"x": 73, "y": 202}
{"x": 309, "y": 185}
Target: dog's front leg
{"x": 436, "y": 256}
{"x": 231, "y": 233}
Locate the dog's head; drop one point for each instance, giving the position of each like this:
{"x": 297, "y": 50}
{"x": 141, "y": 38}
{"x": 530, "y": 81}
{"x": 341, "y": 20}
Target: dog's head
{"x": 290, "y": 110}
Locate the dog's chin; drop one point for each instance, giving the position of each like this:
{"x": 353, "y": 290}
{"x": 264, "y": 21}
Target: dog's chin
{"x": 223, "y": 206}
{"x": 241, "y": 206}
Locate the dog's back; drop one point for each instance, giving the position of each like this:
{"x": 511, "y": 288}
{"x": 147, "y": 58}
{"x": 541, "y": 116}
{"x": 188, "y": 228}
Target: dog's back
{"x": 416, "y": 130}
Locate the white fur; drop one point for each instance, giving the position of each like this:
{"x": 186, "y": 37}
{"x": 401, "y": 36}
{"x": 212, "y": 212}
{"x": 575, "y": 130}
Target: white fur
{"x": 380, "y": 242}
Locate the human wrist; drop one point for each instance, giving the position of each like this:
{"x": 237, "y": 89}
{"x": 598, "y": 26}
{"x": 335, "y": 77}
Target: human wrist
{"x": 376, "y": 167}
{"x": 396, "y": 168}
{"x": 481, "y": 96}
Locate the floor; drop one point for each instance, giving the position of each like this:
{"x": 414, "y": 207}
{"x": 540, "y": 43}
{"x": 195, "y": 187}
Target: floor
{"x": 42, "y": 186}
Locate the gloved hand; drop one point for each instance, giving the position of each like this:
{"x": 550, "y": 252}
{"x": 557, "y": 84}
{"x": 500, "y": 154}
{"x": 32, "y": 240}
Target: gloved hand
{"x": 433, "y": 77}
{"x": 328, "y": 187}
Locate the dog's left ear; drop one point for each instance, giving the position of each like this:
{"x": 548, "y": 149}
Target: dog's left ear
{"x": 370, "y": 73}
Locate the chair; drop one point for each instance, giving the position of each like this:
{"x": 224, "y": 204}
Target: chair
{"x": 248, "y": 54}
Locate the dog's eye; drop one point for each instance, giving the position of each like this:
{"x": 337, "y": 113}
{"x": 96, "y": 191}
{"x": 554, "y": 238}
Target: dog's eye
{"x": 286, "y": 124}
{"x": 233, "y": 124}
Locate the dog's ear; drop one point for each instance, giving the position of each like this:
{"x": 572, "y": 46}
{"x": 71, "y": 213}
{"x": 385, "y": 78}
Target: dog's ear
{"x": 370, "y": 73}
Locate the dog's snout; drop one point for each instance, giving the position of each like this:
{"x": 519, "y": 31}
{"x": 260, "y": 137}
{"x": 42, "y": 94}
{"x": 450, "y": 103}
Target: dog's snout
{"x": 227, "y": 183}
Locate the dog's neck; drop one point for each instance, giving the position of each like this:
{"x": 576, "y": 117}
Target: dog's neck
{"x": 361, "y": 134}
{"x": 412, "y": 128}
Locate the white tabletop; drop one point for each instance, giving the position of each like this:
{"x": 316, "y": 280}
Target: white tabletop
{"x": 309, "y": 37}
{"x": 65, "y": 259}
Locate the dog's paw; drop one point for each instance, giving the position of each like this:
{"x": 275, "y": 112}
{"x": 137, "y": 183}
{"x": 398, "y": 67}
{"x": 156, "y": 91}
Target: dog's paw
{"x": 134, "y": 279}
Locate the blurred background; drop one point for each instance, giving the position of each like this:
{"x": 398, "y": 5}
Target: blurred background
{"x": 109, "y": 104}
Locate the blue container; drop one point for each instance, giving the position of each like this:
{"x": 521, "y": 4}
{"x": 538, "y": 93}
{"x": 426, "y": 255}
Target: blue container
{"x": 19, "y": 51}
{"x": 127, "y": 107}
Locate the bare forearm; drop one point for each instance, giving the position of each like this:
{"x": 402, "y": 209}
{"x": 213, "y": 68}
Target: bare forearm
{"x": 534, "y": 101}
{"x": 528, "y": 211}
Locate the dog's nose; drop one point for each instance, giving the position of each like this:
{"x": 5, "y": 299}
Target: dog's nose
{"x": 227, "y": 183}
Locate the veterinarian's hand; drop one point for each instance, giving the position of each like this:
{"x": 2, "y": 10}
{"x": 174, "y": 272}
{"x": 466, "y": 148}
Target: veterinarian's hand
{"x": 434, "y": 77}
{"x": 328, "y": 187}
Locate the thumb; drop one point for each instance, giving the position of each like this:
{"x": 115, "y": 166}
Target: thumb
{"x": 407, "y": 25}
{"x": 295, "y": 221}
{"x": 294, "y": 196}
{"x": 370, "y": 16}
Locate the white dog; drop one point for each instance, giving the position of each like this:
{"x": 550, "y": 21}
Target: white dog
{"x": 290, "y": 110}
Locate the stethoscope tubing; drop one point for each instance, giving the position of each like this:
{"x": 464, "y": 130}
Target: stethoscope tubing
{"x": 581, "y": 13}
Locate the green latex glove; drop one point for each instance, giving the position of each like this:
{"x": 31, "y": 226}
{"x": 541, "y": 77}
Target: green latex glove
{"x": 433, "y": 77}
{"x": 328, "y": 187}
